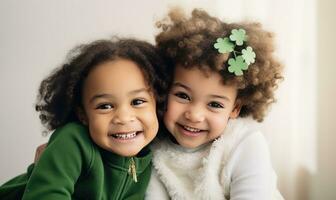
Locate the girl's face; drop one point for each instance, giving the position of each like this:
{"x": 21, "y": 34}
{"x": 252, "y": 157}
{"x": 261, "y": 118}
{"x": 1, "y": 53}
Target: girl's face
{"x": 199, "y": 107}
{"x": 119, "y": 107}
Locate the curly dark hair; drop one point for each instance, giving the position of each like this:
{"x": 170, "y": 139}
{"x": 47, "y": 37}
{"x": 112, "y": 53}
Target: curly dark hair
{"x": 60, "y": 93}
{"x": 189, "y": 42}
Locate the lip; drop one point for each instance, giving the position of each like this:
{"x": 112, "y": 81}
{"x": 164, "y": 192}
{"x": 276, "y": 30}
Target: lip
{"x": 186, "y": 130}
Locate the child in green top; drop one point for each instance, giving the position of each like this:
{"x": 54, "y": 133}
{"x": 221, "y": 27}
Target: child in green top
{"x": 102, "y": 105}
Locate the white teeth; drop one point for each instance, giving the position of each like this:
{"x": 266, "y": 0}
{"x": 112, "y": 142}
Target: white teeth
{"x": 125, "y": 136}
{"x": 191, "y": 129}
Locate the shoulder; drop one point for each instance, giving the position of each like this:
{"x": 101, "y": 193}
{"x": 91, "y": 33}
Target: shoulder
{"x": 242, "y": 149}
{"x": 249, "y": 165}
{"x": 252, "y": 147}
{"x": 240, "y": 132}
{"x": 236, "y": 133}
{"x": 248, "y": 142}
{"x": 241, "y": 127}
{"x": 71, "y": 132}
{"x": 72, "y": 140}
{"x": 249, "y": 155}
{"x": 72, "y": 128}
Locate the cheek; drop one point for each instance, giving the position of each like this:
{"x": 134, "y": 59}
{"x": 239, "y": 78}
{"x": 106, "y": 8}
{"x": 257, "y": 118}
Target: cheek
{"x": 149, "y": 118}
{"x": 152, "y": 125}
{"x": 174, "y": 110}
{"x": 218, "y": 122}
{"x": 98, "y": 125}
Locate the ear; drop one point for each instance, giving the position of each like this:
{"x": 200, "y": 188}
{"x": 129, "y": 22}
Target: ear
{"x": 81, "y": 115}
{"x": 236, "y": 109}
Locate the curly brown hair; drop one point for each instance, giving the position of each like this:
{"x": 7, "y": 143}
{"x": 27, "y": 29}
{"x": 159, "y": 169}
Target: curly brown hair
{"x": 189, "y": 42}
{"x": 60, "y": 93}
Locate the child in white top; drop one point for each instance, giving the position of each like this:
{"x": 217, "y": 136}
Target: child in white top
{"x": 222, "y": 73}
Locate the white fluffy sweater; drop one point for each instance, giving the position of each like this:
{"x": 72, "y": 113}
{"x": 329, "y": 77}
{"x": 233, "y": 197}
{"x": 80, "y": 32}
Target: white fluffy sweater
{"x": 236, "y": 166}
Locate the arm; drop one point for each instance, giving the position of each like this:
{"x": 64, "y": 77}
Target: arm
{"x": 39, "y": 151}
{"x": 252, "y": 174}
{"x": 14, "y": 188}
{"x": 66, "y": 156}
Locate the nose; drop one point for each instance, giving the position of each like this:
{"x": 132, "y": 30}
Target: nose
{"x": 123, "y": 115}
{"x": 195, "y": 113}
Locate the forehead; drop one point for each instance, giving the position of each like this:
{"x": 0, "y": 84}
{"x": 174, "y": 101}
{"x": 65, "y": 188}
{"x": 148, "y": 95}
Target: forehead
{"x": 205, "y": 81}
{"x": 115, "y": 76}
{"x": 195, "y": 73}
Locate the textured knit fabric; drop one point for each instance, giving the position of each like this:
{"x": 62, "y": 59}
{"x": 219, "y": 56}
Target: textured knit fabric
{"x": 236, "y": 166}
{"x": 73, "y": 167}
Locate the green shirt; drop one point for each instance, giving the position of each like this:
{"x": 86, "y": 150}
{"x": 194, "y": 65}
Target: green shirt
{"x": 74, "y": 167}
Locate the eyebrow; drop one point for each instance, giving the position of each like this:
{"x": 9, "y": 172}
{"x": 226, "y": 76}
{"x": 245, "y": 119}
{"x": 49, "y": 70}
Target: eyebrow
{"x": 106, "y": 95}
{"x": 178, "y": 84}
{"x": 219, "y": 96}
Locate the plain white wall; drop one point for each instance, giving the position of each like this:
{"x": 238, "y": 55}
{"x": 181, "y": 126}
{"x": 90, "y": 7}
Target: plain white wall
{"x": 324, "y": 181}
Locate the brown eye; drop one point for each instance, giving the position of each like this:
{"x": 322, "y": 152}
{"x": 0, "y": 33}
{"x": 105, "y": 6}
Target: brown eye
{"x": 104, "y": 106}
{"x": 137, "y": 102}
{"x": 215, "y": 105}
{"x": 182, "y": 95}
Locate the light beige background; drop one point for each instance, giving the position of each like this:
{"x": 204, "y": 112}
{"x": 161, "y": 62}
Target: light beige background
{"x": 36, "y": 34}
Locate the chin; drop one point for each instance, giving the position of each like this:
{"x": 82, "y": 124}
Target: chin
{"x": 129, "y": 150}
{"x": 128, "y": 153}
{"x": 188, "y": 145}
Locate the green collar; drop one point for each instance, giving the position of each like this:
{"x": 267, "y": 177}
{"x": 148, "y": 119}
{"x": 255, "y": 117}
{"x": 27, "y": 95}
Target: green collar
{"x": 142, "y": 160}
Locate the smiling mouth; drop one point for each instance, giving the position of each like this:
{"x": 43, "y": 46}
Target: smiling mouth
{"x": 191, "y": 129}
{"x": 125, "y": 135}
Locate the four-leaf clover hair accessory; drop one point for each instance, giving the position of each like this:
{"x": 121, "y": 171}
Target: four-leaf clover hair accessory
{"x": 241, "y": 58}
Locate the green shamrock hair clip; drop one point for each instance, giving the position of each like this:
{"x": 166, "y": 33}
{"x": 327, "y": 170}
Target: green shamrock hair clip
{"x": 242, "y": 59}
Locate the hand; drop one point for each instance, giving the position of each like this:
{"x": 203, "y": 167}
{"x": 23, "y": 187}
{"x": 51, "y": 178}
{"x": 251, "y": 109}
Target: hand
{"x": 39, "y": 151}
